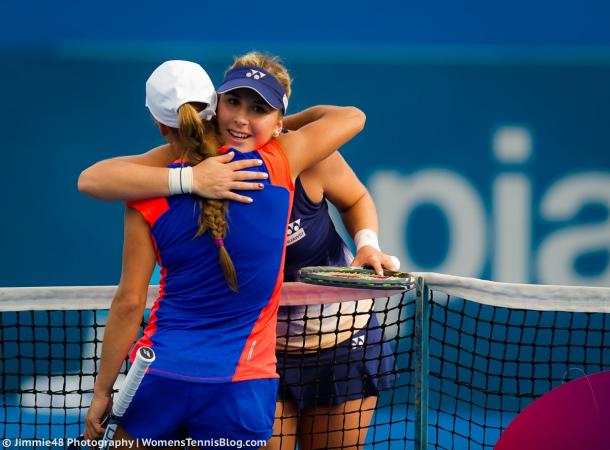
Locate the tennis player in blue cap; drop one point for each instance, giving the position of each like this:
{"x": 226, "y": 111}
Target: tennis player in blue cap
{"x": 213, "y": 325}
{"x": 323, "y": 351}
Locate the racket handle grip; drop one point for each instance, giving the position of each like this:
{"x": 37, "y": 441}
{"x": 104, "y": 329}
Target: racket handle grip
{"x": 108, "y": 434}
{"x": 144, "y": 358}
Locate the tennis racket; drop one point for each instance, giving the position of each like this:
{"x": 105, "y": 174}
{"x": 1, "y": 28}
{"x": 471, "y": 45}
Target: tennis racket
{"x": 355, "y": 277}
{"x": 144, "y": 358}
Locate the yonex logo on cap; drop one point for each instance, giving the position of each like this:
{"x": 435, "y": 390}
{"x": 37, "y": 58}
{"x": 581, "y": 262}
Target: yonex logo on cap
{"x": 257, "y": 75}
{"x": 264, "y": 83}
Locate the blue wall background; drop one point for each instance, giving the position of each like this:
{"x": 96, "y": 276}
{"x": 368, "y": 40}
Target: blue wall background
{"x": 487, "y": 146}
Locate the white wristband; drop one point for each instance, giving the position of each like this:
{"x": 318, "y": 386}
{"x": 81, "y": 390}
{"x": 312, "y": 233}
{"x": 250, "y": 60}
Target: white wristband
{"x": 174, "y": 181}
{"x": 186, "y": 179}
{"x": 364, "y": 237}
{"x": 180, "y": 180}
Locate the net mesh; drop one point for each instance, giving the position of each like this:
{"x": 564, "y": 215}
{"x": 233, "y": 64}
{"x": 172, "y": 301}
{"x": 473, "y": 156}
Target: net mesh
{"x": 487, "y": 361}
{"x": 49, "y": 362}
{"x": 372, "y": 356}
{"x": 48, "y": 366}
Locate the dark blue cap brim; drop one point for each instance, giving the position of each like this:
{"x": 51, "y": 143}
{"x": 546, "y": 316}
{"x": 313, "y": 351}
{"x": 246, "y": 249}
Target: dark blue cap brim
{"x": 268, "y": 94}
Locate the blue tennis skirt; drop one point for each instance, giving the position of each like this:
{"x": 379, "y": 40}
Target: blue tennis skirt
{"x": 357, "y": 368}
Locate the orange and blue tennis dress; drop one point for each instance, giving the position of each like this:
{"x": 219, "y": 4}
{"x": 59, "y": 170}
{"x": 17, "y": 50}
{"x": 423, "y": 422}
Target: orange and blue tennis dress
{"x": 220, "y": 342}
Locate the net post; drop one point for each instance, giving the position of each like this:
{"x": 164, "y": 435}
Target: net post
{"x": 422, "y": 317}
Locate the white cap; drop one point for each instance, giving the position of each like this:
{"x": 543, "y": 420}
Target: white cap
{"x": 175, "y": 83}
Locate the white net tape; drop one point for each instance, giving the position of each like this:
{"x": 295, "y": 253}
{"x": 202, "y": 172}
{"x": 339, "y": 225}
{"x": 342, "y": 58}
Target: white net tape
{"x": 100, "y": 297}
{"x": 521, "y": 296}
{"x": 509, "y": 295}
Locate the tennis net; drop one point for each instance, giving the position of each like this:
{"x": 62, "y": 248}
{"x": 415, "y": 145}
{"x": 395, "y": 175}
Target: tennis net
{"x": 452, "y": 362}
{"x": 52, "y": 338}
{"x": 493, "y": 348}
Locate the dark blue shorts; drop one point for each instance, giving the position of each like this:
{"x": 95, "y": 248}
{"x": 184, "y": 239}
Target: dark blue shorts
{"x": 357, "y": 368}
{"x": 169, "y": 409}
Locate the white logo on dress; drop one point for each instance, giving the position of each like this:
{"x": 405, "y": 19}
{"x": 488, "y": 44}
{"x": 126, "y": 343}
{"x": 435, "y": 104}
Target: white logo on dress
{"x": 257, "y": 75}
{"x": 294, "y": 233}
{"x": 358, "y": 341}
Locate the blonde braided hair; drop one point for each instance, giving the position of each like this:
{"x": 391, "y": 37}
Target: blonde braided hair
{"x": 198, "y": 140}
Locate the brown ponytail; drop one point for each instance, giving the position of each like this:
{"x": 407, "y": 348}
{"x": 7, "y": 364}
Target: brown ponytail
{"x": 198, "y": 140}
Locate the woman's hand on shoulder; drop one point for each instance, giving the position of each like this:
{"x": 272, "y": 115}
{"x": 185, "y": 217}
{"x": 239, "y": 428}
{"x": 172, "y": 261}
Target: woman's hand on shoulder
{"x": 146, "y": 175}
{"x": 217, "y": 177}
